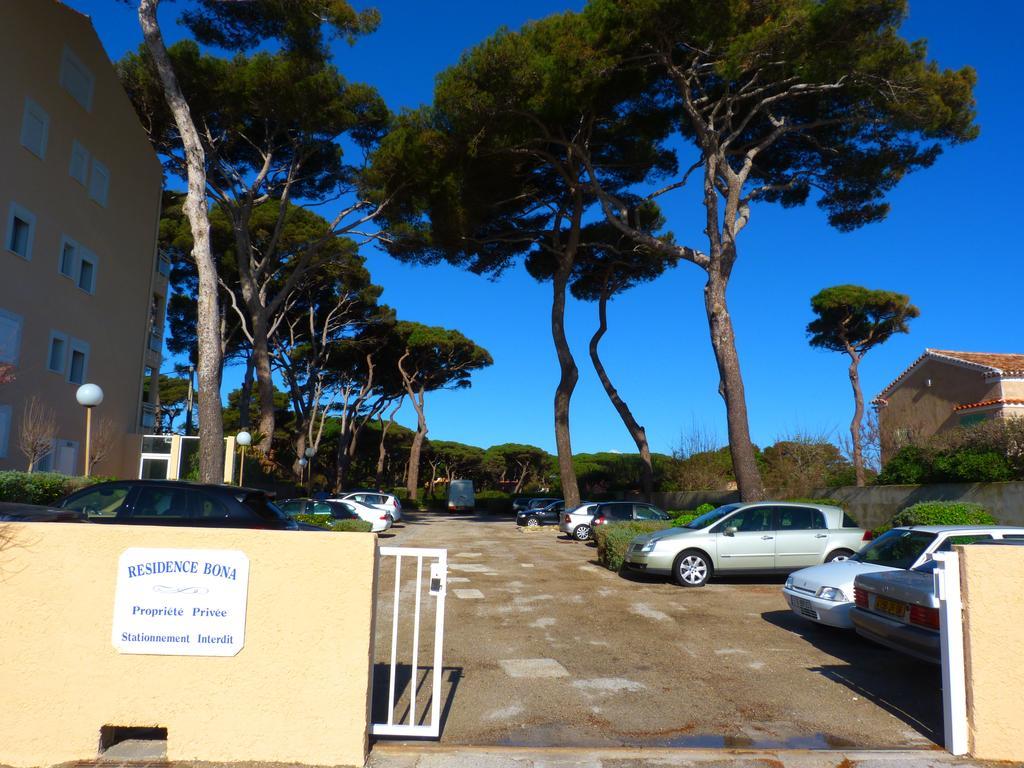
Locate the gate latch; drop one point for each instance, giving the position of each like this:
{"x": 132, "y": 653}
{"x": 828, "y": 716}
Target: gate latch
{"x": 437, "y": 578}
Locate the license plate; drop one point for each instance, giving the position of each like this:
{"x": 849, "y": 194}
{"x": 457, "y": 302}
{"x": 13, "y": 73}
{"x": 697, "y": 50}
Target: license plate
{"x": 890, "y": 607}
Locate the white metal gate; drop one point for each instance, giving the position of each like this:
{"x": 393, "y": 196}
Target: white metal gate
{"x": 410, "y": 579}
{"x": 951, "y": 626}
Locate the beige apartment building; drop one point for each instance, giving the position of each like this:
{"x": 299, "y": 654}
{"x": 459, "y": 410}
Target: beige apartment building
{"x": 82, "y": 291}
{"x": 943, "y": 389}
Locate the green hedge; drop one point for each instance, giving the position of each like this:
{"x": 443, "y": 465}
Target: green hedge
{"x": 43, "y": 488}
{"x": 328, "y": 523}
{"x": 943, "y": 513}
{"x": 679, "y": 519}
{"x": 613, "y": 540}
{"x": 703, "y": 509}
{"x": 495, "y": 502}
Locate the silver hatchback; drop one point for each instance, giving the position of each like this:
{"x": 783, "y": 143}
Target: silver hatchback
{"x": 752, "y": 537}
{"x": 575, "y": 523}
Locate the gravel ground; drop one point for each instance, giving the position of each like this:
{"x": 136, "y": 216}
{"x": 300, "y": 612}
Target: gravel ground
{"x": 544, "y": 647}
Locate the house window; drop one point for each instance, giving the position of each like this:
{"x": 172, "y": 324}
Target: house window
{"x": 99, "y": 182}
{"x": 68, "y": 257}
{"x": 970, "y": 419}
{"x": 35, "y": 127}
{"x": 10, "y": 337}
{"x": 86, "y": 270}
{"x": 79, "y": 169}
{"x": 57, "y": 358}
{"x": 78, "y": 361}
{"x": 20, "y": 229}
{"x": 5, "y": 429}
{"x": 76, "y": 79}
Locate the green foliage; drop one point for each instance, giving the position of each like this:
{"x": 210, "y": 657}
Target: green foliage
{"x": 613, "y": 540}
{"x": 943, "y": 513}
{"x": 703, "y": 509}
{"x": 857, "y": 318}
{"x": 681, "y": 518}
{"x": 798, "y": 466}
{"x": 328, "y": 523}
{"x": 44, "y": 488}
{"x": 981, "y": 453}
{"x": 494, "y": 502}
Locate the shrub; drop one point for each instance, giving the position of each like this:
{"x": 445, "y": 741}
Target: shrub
{"x": 703, "y": 509}
{"x": 495, "y": 502}
{"x": 614, "y": 538}
{"x": 981, "y": 453}
{"x": 328, "y": 523}
{"x": 682, "y": 518}
{"x": 44, "y": 488}
{"x": 943, "y": 513}
{"x": 908, "y": 466}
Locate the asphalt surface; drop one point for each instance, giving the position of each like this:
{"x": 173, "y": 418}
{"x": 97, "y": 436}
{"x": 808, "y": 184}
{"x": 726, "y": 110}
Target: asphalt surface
{"x": 543, "y": 647}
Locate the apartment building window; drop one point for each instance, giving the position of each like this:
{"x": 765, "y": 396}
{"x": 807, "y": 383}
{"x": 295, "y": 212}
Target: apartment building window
{"x": 76, "y": 79}
{"x": 79, "y": 170}
{"x": 68, "y": 257}
{"x": 21, "y": 226}
{"x": 78, "y": 361}
{"x": 35, "y": 128}
{"x": 99, "y": 182}
{"x": 86, "y": 270}
{"x": 57, "y": 357}
{"x": 10, "y": 337}
{"x": 5, "y": 429}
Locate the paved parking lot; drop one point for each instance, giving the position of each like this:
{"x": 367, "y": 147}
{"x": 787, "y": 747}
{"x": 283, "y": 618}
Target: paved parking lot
{"x": 545, "y": 647}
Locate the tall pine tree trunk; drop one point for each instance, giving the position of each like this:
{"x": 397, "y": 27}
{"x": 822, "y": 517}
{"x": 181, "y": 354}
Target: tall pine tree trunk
{"x": 264, "y": 382}
{"x": 412, "y": 481}
{"x": 566, "y": 384}
{"x": 245, "y": 394}
{"x": 211, "y": 423}
{"x": 858, "y": 415}
{"x": 723, "y": 341}
{"x": 637, "y": 432}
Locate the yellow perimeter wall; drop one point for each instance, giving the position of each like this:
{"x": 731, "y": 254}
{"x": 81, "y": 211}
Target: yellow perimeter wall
{"x": 297, "y": 692}
{"x": 992, "y": 583}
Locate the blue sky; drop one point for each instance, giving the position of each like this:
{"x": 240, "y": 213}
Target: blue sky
{"x": 949, "y": 242}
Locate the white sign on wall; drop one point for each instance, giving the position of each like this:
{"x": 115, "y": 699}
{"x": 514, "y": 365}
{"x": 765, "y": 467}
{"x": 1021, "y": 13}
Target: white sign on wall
{"x": 181, "y": 602}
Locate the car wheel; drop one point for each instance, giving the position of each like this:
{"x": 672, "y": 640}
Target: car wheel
{"x": 582, "y": 532}
{"x": 532, "y": 522}
{"x": 692, "y": 569}
{"x": 838, "y": 555}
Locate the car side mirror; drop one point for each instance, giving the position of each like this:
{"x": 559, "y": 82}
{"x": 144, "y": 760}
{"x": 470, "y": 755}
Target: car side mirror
{"x": 730, "y": 531}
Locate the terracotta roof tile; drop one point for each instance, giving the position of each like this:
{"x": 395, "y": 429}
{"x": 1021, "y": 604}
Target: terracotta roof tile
{"x": 1000, "y": 362}
{"x": 983, "y": 403}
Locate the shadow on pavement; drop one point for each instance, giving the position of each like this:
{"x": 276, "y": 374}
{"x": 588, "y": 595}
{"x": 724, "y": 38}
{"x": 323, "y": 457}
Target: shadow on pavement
{"x": 450, "y": 678}
{"x": 906, "y": 688}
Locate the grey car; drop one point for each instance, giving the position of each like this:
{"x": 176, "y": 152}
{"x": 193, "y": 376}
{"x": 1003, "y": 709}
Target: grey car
{"x": 898, "y": 609}
{"x": 751, "y": 537}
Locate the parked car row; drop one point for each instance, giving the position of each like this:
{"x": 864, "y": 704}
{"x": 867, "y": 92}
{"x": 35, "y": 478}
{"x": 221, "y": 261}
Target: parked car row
{"x": 839, "y": 576}
{"x": 179, "y": 503}
{"x": 886, "y": 591}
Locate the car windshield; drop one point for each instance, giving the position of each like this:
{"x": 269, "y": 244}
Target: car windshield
{"x": 898, "y": 548}
{"x": 712, "y": 517}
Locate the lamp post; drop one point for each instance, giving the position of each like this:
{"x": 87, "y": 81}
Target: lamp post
{"x": 310, "y": 453}
{"x": 88, "y": 396}
{"x": 244, "y": 439}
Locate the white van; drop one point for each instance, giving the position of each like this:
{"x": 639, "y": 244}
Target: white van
{"x": 461, "y": 495}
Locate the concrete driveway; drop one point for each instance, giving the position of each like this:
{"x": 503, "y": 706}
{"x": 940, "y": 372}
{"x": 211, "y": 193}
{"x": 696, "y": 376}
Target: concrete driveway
{"x": 545, "y": 647}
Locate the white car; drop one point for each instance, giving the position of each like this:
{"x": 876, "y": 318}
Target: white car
{"x": 386, "y": 501}
{"x": 379, "y": 518}
{"x": 576, "y": 522}
{"x": 824, "y": 593}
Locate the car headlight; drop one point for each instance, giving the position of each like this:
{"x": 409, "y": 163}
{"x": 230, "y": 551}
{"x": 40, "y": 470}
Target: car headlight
{"x": 789, "y": 582}
{"x": 833, "y": 594}
{"x": 648, "y": 546}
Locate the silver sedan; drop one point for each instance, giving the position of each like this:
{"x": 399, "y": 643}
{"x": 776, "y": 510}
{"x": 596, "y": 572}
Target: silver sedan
{"x": 753, "y": 537}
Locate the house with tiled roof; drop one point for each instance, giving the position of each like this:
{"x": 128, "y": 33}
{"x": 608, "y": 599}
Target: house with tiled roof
{"x": 944, "y": 389}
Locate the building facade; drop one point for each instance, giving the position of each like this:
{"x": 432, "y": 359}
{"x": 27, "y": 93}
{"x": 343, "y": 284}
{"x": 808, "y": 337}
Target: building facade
{"x": 82, "y": 290}
{"x": 944, "y": 389}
